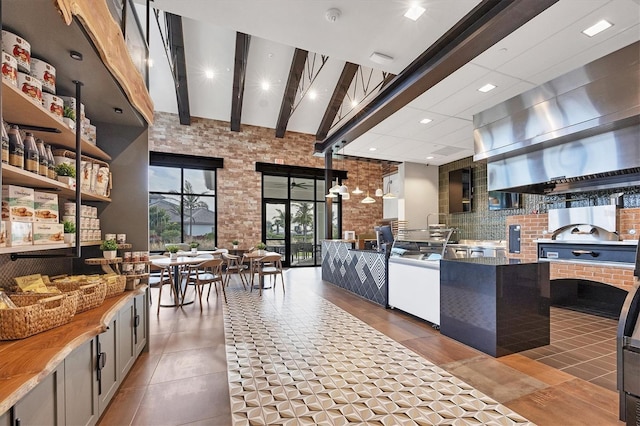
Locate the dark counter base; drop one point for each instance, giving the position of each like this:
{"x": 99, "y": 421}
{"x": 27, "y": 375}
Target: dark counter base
{"x": 363, "y": 272}
{"x": 498, "y": 309}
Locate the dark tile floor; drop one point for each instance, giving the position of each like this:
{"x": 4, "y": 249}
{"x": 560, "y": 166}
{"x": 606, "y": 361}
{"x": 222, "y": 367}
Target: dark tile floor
{"x": 183, "y": 379}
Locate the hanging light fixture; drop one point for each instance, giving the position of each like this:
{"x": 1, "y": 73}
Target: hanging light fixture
{"x": 379, "y": 191}
{"x": 368, "y": 199}
{"x": 335, "y": 188}
{"x": 357, "y": 191}
{"x": 344, "y": 189}
{"x": 389, "y": 195}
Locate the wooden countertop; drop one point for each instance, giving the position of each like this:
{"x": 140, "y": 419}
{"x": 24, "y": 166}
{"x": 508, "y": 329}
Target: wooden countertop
{"x": 26, "y": 362}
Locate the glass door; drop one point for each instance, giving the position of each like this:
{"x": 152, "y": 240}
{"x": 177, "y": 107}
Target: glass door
{"x": 276, "y": 216}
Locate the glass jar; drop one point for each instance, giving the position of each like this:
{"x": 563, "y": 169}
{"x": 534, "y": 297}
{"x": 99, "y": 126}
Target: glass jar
{"x": 51, "y": 162}
{"x": 31, "y": 157}
{"x": 43, "y": 159}
{"x": 16, "y": 147}
{"x": 5, "y": 145}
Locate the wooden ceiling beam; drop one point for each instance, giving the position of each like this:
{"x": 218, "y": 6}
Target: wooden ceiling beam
{"x": 289, "y": 97}
{"x": 175, "y": 41}
{"x": 239, "y": 75}
{"x": 340, "y": 91}
{"x": 488, "y": 23}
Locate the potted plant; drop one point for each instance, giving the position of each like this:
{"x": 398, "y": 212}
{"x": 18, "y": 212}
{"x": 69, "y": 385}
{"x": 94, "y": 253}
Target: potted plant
{"x": 173, "y": 250}
{"x": 69, "y": 231}
{"x": 66, "y": 174}
{"x": 261, "y": 247}
{"x": 69, "y": 117}
{"x": 194, "y": 246}
{"x": 235, "y": 243}
{"x": 109, "y": 249}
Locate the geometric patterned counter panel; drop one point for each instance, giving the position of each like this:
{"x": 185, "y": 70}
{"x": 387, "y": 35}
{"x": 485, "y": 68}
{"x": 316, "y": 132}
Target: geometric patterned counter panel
{"x": 361, "y": 272}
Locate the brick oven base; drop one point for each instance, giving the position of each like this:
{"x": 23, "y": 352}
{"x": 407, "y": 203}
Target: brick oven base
{"x": 588, "y": 296}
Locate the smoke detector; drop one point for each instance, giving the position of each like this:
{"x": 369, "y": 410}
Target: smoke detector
{"x": 332, "y": 14}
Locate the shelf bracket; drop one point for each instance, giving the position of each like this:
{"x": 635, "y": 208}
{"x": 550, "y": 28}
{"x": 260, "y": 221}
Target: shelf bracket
{"x": 16, "y": 256}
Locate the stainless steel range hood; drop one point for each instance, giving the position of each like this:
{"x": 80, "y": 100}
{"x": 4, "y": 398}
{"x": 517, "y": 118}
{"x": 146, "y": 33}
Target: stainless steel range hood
{"x": 578, "y": 132}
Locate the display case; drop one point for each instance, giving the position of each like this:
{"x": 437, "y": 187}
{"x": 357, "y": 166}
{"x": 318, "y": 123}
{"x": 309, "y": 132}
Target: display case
{"x": 422, "y": 244}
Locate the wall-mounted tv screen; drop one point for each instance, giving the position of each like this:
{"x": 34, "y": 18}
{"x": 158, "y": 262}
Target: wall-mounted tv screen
{"x": 499, "y": 200}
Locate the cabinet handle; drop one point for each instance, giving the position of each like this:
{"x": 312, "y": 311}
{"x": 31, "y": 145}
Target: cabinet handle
{"x": 136, "y": 321}
{"x": 102, "y": 360}
{"x": 17, "y": 422}
{"x": 591, "y": 252}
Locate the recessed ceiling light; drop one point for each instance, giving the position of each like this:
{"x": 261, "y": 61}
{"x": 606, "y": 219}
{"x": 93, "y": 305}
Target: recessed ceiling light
{"x": 487, "y": 87}
{"x": 380, "y": 58}
{"x": 431, "y": 157}
{"x": 354, "y": 103}
{"x": 75, "y": 55}
{"x": 265, "y": 85}
{"x": 372, "y": 149}
{"x": 312, "y": 94}
{"x": 598, "y": 27}
{"x": 426, "y": 121}
{"x": 414, "y": 12}
{"x": 208, "y": 74}
{"x": 150, "y": 62}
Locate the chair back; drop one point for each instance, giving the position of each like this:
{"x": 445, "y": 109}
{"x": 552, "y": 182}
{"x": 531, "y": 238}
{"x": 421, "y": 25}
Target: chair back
{"x": 275, "y": 258}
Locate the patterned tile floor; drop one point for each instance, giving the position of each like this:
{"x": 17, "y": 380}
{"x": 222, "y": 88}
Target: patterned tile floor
{"x": 313, "y": 363}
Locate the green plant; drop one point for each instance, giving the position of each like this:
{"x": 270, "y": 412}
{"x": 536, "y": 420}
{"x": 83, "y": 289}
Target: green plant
{"x": 64, "y": 169}
{"x": 261, "y": 246}
{"x": 69, "y": 227}
{"x": 235, "y": 242}
{"x": 109, "y": 245}
{"x": 194, "y": 244}
{"x": 69, "y": 112}
{"x": 172, "y": 248}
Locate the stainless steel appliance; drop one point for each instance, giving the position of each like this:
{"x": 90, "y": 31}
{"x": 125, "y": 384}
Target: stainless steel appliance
{"x": 628, "y": 353}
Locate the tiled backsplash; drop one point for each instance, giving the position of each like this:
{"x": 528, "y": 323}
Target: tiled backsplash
{"x": 484, "y": 224}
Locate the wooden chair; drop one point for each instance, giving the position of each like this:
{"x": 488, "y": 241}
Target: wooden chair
{"x": 159, "y": 277}
{"x": 209, "y": 272}
{"x": 271, "y": 265}
{"x": 234, "y": 265}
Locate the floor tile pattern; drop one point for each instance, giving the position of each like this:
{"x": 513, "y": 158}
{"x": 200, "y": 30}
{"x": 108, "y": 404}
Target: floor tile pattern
{"x": 313, "y": 363}
{"x": 582, "y": 345}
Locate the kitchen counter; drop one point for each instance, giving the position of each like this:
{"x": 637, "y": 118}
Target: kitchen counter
{"x": 496, "y": 305}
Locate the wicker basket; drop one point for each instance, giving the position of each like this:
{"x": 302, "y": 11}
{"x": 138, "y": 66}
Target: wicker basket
{"x": 91, "y": 295}
{"x": 116, "y": 287}
{"x": 35, "y": 313}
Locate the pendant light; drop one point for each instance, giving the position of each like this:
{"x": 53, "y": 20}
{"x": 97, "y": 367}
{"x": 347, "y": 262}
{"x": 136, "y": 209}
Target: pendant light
{"x": 357, "y": 191}
{"x": 368, "y": 199}
{"x": 389, "y": 195}
{"x": 344, "y": 189}
{"x": 379, "y": 191}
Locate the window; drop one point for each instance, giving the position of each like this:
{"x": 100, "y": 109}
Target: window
{"x": 182, "y": 200}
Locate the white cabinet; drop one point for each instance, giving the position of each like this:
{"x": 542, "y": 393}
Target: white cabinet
{"x": 107, "y": 374}
{"x": 140, "y": 324}
{"x": 44, "y": 404}
{"x": 126, "y": 344}
{"x": 414, "y": 287}
{"x": 5, "y": 419}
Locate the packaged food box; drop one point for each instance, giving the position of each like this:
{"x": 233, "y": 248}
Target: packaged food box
{"x": 44, "y": 72}
{"x": 45, "y": 205}
{"x": 17, "y": 203}
{"x": 19, "y": 48}
{"x": 53, "y": 104}
{"x": 19, "y": 234}
{"x": 10, "y": 68}
{"x": 48, "y": 233}
{"x": 31, "y": 86}
{"x": 3, "y": 233}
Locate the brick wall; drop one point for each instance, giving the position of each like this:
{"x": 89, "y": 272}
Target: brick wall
{"x": 532, "y": 227}
{"x": 239, "y": 185}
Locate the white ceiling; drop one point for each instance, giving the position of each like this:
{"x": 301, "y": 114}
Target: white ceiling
{"x": 546, "y": 47}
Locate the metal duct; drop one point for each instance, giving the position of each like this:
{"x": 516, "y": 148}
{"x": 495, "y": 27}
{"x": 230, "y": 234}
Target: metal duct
{"x": 578, "y": 132}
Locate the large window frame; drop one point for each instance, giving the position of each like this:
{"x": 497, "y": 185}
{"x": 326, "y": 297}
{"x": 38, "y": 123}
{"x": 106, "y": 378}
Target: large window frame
{"x": 184, "y": 165}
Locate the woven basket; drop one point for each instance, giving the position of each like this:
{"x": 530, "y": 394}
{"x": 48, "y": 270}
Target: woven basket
{"x": 91, "y": 295}
{"x": 116, "y": 287}
{"x": 35, "y": 313}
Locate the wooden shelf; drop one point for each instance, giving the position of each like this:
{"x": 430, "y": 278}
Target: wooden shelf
{"x": 12, "y": 175}
{"x": 20, "y": 249}
{"x": 103, "y": 261}
{"x": 19, "y": 108}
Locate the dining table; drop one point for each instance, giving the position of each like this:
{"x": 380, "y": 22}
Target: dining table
{"x": 254, "y": 260}
{"x": 176, "y": 263}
